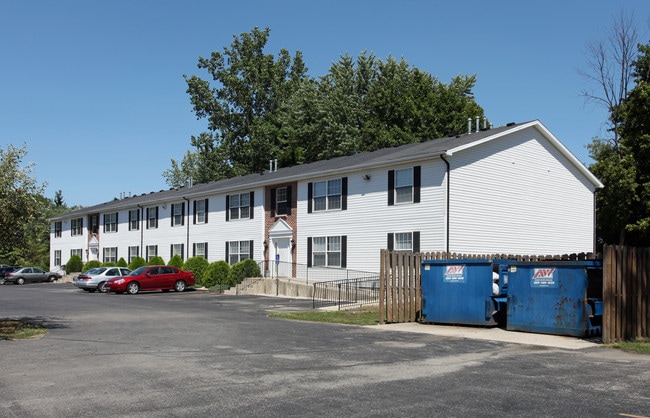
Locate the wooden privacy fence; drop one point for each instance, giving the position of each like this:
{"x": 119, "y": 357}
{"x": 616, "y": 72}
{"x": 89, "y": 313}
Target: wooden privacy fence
{"x": 626, "y": 293}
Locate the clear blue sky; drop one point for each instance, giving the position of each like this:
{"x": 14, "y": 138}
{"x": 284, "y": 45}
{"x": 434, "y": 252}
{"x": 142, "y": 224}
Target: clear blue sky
{"x": 96, "y": 88}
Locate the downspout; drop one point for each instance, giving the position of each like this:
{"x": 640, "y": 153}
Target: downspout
{"x": 141, "y": 230}
{"x": 187, "y": 245}
{"x": 595, "y": 220}
{"x": 442, "y": 156}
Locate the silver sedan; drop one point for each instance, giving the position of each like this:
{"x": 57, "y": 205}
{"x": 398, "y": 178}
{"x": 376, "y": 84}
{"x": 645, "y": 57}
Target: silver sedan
{"x": 94, "y": 279}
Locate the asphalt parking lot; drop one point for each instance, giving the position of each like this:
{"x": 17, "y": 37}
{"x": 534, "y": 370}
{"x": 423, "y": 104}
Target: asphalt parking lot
{"x": 206, "y": 354}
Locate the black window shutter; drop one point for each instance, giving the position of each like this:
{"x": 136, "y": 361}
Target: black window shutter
{"x": 147, "y": 217}
{"x": 227, "y": 208}
{"x": 309, "y": 252}
{"x": 194, "y": 213}
{"x": 227, "y": 247}
{"x": 310, "y": 196}
{"x": 416, "y": 241}
{"x": 183, "y": 251}
{"x": 344, "y": 251}
{"x": 194, "y": 245}
{"x": 206, "y": 211}
{"x": 156, "y": 220}
{"x": 391, "y": 187}
{"x": 417, "y": 176}
{"x": 171, "y": 215}
{"x": 183, "y": 213}
{"x": 390, "y": 244}
{"x": 250, "y": 249}
{"x": 117, "y": 222}
{"x": 289, "y": 202}
{"x": 252, "y": 205}
{"x": 206, "y": 251}
{"x": 104, "y": 223}
{"x": 273, "y": 203}
{"x": 344, "y": 193}
{"x": 171, "y": 250}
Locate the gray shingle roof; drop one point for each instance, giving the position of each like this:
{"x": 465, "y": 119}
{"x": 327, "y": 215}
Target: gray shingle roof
{"x": 386, "y": 156}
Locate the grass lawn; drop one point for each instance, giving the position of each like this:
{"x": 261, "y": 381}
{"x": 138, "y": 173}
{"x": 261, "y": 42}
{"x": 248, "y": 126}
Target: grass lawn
{"x": 11, "y": 329}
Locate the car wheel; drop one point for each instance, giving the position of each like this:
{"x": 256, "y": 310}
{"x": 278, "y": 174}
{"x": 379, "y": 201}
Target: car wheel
{"x": 132, "y": 288}
{"x": 179, "y": 286}
{"x": 20, "y": 280}
{"x": 2, "y": 281}
{"x": 102, "y": 287}
{"x": 51, "y": 279}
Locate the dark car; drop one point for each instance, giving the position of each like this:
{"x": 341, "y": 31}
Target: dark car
{"x": 4, "y": 269}
{"x": 31, "y": 274}
{"x": 163, "y": 278}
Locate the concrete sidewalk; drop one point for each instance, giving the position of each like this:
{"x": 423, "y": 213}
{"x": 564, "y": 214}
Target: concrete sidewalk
{"x": 493, "y": 334}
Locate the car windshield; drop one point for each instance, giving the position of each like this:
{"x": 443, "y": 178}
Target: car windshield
{"x": 138, "y": 271}
{"x": 94, "y": 271}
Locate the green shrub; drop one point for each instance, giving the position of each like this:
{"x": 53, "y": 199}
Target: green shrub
{"x": 176, "y": 261}
{"x": 197, "y": 265}
{"x": 243, "y": 269}
{"x": 108, "y": 264}
{"x": 137, "y": 262}
{"x": 216, "y": 273}
{"x": 121, "y": 262}
{"x": 91, "y": 265}
{"x": 156, "y": 261}
{"x": 74, "y": 265}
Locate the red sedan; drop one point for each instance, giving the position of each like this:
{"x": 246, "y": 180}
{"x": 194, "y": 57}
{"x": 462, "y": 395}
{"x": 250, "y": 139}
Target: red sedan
{"x": 163, "y": 278}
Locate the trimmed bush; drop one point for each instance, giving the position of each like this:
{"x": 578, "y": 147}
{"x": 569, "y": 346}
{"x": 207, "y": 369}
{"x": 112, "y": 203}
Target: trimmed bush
{"x": 156, "y": 261}
{"x": 243, "y": 269}
{"x": 216, "y": 273}
{"x": 137, "y": 262}
{"x": 92, "y": 264}
{"x": 74, "y": 265}
{"x": 176, "y": 261}
{"x": 108, "y": 264}
{"x": 121, "y": 262}
{"x": 197, "y": 265}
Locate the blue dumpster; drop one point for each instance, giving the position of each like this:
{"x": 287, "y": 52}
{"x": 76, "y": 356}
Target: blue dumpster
{"x": 458, "y": 292}
{"x": 555, "y": 297}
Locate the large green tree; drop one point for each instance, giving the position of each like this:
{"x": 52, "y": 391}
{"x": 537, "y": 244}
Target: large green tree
{"x": 23, "y": 220}
{"x": 241, "y": 107}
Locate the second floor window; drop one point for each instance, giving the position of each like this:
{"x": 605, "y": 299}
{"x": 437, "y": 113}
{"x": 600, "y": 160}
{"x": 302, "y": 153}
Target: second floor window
{"x": 282, "y": 201}
{"x": 178, "y": 214}
{"x": 110, "y": 222}
{"x": 152, "y": 218}
{"x": 76, "y": 226}
{"x": 134, "y": 219}
{"x": 327, "y": 195}
{"x": 57, "y": 229}
{"x": 404, "y": 186}
{"x": 240, "y": 206}
{"x": 201, "y": 211}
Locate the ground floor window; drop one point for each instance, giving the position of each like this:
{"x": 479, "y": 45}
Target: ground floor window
{"x": 110, "y": 255}
{"x": 133, "y": 253}
{"x": 152, "y": 251}
{"x": 57, "y": 257}
{"x": 237, "y": 251}
{"x": 200, "y": 250}
{"x": 327, "y": 251}
{"x": 78, "y": 252}
{"x": 177, "y": 249}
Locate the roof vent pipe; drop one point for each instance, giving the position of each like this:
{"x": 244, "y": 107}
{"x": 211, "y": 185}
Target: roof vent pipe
{"x": 270, "y": 165}
{"x": 469, "y": 125}
{"x": 478, "y": 127}
{"x": 276, "y": 164}
{"x": 484, "y": 122}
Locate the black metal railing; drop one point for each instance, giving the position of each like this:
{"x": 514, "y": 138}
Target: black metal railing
{"x": 346, "y": 292}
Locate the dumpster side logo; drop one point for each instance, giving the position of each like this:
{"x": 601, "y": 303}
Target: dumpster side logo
{"x": 544, "y": 277}
{"x": 455, "y": 273}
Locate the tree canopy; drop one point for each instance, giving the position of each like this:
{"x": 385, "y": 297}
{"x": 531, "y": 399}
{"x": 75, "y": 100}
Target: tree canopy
{"x": 260, "y": 107}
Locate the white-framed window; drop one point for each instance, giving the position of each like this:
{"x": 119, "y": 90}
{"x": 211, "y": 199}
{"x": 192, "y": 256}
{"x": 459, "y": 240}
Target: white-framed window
{"x": 201, "y": 211}
{"x": 152, "y": 251}
{"x": 134, "y": 219}
{"x": 77, "y": 251}
{"x": 110, "y": 255}
{"x": 57, "y": 257}
{"x": 404, "y": 185}
{"x": 178, "y": 214}
{"x": 152, "y": 217}
{"x": 76, "y": 226}
{"x": 326, "y": 251}
{"x": 238, "y": 251}
{"x": 201, "y": 249}
{"x": 282, "y": 201}
{"x": 177, "y": 249}
{"x": 403, "y": 241}
{"x": 327, "y": 195}
{"x": 110, "y": 222}
{"x": 240, "y": 205}
{"x": 58, "y": 226}
{"x": 134, "y": 252}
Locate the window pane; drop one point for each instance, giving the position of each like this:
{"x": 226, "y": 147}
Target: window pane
{"x": 244, "y": 212}
{"x": 334, "y": 202}
{"x": 334, "y": 259}
{"x": 404, "y": 177}
{"x": 319, "y": 259}
{"x": 319, "y": 244}
{"x": 244, "y": 199}
{"x": 334, "y": 244}
{"x": 403, "y": 194}
{"x": 334, "y": 187}
{"x": 403, "y": 241}
{"x": 320, "y": 203}
{"x": 319, "y": 188}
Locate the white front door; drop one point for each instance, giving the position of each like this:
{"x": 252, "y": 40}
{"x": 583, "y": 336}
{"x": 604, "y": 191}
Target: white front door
{"x": 283, "y": 258}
